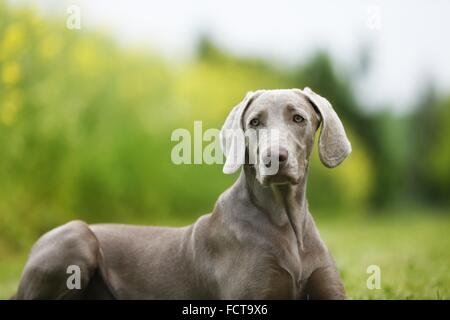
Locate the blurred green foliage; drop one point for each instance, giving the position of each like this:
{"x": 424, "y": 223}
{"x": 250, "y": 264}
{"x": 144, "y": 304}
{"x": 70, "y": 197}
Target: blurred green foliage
{"x": 85, "y": 130}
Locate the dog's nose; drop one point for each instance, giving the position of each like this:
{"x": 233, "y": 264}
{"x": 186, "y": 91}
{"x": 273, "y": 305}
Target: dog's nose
{"x": 282, "y": 156}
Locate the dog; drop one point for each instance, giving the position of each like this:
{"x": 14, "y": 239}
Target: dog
{"x": 260, "y": 241}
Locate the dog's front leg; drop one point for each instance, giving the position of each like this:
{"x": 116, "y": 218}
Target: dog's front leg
{"x": 325, "y": 284}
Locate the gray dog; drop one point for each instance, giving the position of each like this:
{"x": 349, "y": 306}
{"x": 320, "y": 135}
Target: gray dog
{"x": 260, "y": 241}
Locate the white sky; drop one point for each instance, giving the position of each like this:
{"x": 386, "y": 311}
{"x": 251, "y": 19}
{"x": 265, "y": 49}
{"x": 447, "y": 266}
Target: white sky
{"x": 410, "y": 46}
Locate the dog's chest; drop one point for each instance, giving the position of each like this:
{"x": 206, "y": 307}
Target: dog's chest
{"x": 264, "y": 273}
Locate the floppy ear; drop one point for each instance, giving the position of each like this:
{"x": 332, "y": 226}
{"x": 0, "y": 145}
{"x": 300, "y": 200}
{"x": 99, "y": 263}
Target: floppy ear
{"x": 334, "y": 145}
{"x": 232, "y": 136}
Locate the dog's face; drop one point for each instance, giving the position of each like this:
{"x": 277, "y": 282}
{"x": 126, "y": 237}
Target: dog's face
{"x": 285, "y": 123}
{"x": 278, "y": 127}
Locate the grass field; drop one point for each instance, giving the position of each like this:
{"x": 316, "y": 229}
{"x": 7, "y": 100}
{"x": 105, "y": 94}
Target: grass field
{"x": 412, "y": 252}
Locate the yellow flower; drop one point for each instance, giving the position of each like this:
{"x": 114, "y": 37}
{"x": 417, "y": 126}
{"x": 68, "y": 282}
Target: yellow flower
{"x": 11, "y": 73}
{"x": 13, "y": 40}
{"x": 10, "y": 107}
{"x": 85, "y": 57}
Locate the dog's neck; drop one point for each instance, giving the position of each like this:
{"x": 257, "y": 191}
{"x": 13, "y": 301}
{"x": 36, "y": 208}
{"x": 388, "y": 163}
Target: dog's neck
{"x": 283, "y": 203}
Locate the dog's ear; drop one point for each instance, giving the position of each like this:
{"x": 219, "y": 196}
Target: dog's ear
{"x": 334, "y": 145}
{"x": 232, "y": 136}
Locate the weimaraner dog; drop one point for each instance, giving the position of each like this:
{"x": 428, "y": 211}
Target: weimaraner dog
{"x": 260, "y": 241}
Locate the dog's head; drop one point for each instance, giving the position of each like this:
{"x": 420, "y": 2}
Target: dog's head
{"x": 272, "y": 131}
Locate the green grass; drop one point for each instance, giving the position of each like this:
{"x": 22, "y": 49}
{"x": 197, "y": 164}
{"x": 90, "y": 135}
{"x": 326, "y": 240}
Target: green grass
{"x": 411, "y": 251}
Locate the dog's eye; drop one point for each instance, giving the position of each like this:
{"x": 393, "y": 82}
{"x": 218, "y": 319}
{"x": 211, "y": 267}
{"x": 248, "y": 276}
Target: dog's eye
{"x": 254, "y": 122}
{"x": 298, "y": 118}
